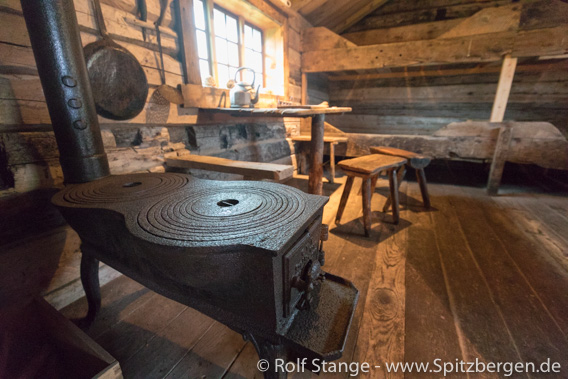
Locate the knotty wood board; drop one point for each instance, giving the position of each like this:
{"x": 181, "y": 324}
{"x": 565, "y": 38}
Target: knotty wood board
{"x": 428, "y": 313}
{"x": 258, "y": 170}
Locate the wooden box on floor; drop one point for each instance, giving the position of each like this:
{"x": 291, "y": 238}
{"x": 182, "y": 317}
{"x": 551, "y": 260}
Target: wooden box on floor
{"x": 37, "y": 341}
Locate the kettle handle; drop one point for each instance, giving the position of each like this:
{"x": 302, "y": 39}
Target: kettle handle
{"x": 246, "y": 68}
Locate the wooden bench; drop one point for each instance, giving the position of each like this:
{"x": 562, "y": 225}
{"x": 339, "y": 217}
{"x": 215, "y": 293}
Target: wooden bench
{"x": 250, "y": 170}
{"x": 368, "y": 168}
{"x": 414, "y": 160}
{"x": 332, "y": 142}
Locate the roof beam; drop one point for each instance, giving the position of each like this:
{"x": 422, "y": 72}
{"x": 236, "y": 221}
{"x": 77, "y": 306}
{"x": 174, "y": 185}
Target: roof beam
{"x": 468, "y": 49}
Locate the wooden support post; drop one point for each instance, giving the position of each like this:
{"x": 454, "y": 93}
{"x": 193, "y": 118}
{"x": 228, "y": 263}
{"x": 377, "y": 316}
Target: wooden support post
{"x": 503, "y": 88}
{"x": 188, "y": 42}
{"x": 316, "y": 155}
{"x": 304, "y": 88}
{"x": 499, "y": 158}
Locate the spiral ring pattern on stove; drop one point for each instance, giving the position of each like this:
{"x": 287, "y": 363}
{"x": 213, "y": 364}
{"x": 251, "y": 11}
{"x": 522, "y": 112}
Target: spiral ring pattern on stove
{"x": 121, "y": 188}
{"x": 202, "y": 214}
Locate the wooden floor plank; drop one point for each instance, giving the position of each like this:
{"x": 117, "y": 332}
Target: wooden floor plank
{"x": 381, "y": 332}
{"x": 532, "y": 256}
{"x": 137, "y": 329}
{"x": 529, "y": 320}
{"x": 156, "y": 358}
{"x": 212, "y": 356}
{"x": 120, "y": 298}
{"x": 428, "y": 312}
{"x": 481, "y": 330}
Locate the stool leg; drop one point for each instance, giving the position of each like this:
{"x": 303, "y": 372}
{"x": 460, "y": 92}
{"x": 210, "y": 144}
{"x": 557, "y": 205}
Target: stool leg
{"x": 344, "y": 196}
{"x": 393, "y": 184}
{"x": 367, "y": 205}
{"x": 400, "y": 177}
{"x": 421, "y": 177}
{"x": 374, "y": 183}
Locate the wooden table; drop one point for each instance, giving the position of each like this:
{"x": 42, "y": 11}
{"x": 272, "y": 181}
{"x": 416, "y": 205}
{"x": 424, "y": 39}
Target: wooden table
{"x": 332, "y": 140}
{"x": 318, "y": 119}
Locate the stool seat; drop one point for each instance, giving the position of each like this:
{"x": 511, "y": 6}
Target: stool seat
{"x": 371, "y": 164}
{"x": 368, "y": 168}
{"x": 414, "y": 160}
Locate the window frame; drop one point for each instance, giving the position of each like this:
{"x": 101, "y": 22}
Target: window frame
{"x": 209, "y": 8}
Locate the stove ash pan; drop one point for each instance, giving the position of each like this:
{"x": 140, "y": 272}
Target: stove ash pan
{"x": 247, "y": 254}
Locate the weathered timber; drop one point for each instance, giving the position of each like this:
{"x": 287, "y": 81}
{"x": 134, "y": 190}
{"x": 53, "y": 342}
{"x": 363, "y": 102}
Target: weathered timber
{"x": 503, "y": 89}
{"x": 423, "y": 31}
{"x": 499, "y": 157}
{"x": 190, "y": 58}
{"x": 488, "y": 20}
{"x": 469, "y": 49}
{"x": 255, "y": 170}
{"x": 537, "y": 143}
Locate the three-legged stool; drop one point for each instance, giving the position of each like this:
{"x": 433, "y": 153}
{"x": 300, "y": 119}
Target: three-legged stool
{"x": 368, "y": 168}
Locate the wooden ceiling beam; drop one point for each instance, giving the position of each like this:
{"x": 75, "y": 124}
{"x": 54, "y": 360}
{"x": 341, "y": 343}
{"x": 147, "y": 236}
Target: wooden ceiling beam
{"x": 469, "y": 49}
{"x": 449, "y": 72}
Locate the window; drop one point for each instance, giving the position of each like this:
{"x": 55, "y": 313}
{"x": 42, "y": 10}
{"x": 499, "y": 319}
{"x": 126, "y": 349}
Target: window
{"x": 226, "y": 42}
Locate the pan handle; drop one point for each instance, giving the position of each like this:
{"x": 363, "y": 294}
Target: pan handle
{"x": 99, "y": 18}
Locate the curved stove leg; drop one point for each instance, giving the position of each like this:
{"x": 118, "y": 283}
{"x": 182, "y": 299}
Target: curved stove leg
{"x": 91, "y": 285}
{"x": 272, "y": 354}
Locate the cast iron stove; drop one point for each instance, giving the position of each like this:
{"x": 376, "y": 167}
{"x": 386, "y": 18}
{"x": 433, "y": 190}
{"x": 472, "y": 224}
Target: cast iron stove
{"x": 245, "y": 253}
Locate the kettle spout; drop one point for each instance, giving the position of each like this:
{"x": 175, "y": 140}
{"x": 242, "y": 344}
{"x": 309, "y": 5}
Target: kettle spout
{"x": 255, "y": 99}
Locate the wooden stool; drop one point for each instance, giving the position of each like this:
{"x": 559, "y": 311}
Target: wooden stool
{"x": 368, "y": 168}
{"x": 416, "y": 161}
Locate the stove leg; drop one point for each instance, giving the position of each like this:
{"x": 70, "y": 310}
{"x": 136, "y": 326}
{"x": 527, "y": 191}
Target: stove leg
{"x": 272, "y": 355}
{"x": 91, "y": 285}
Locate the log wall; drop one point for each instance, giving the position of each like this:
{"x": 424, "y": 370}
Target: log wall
{"x": 404, "y": 101}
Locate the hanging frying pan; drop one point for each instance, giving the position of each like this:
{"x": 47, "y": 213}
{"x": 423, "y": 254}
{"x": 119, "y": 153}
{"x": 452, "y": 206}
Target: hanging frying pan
{"x": 117, "y": 79}
{"x": 171, "y": 94}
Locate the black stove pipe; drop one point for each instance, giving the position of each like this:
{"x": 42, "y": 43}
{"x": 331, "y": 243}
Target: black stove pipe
{"x": 56, "y": 42}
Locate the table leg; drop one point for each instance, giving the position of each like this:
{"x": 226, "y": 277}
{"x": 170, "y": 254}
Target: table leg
{"x": 367, "y": 205}
{"x": 316, "y": 166}
{"x": 332, "y": 161}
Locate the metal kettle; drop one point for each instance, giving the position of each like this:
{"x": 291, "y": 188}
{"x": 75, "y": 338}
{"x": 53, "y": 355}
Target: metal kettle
{"x": 240, "y": 94}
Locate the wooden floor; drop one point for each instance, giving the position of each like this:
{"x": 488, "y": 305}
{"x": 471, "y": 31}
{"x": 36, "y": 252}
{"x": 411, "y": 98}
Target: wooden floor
{"x": 474, "y": 277}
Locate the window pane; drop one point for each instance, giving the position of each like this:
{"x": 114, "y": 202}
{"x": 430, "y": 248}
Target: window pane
{"x": 199, "y": 14}
{"x": 202, "y": 45}
{"x": 232, "y": 29}
{"x": 221, "y": 49}
{"x": 219, "y": 20}
{"x": 204, "y": 69}
{"x": 233, "y": 54}
{"x": 248, "y": 36}
{"x": 232, "y": 71}
{"x": 223, "y": 75}
{"x": 257, "y": 63}
{"x": 256, "y": 41}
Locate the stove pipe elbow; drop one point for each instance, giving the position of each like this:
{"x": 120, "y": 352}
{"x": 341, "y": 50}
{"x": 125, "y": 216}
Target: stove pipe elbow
{"x": 56, "y": 43}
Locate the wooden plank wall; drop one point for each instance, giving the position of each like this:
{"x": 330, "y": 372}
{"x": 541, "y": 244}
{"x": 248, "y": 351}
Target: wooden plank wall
{"x": 421, "y": 104}
{"x": 23, "y": 108}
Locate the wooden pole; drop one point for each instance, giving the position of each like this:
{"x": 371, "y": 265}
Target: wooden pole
{"x": 316, "y": 155}
{"x": 304, "y": 88}
{"x": 503, "y": 88}
{"x": 499, "y": 158}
